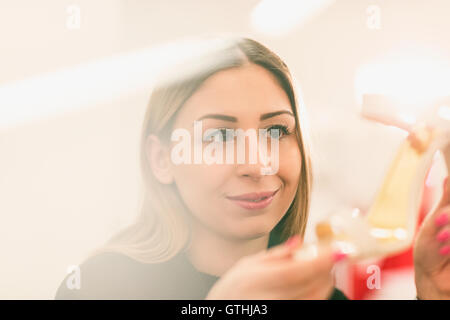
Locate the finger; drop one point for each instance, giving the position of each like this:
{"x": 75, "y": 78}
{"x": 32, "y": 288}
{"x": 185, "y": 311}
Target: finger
{"x": 443, "y": 236}
{"x": 284, "y": 250}
{"x": 319, "y": 289}
{"x": 445, "y": 198}
{"x": 443, "y": 239}
{"x": 446, "y": 153}
{"x": 301, "y": 271}
{"x": 445, "y": 250}
{"x": 322, "y": 291}
{"x": 420, "y": 139}
{"x": 441, "y": 215}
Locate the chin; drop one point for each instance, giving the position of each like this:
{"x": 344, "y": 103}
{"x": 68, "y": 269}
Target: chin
{"x": 251, "y": 230}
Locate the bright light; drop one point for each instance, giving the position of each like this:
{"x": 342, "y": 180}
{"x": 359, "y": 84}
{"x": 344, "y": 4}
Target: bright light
{"x": 444, "y": 112}
{"x": 414, "y": 78}
{"x": 384, "y": 109}
{"x": 102, "y": 81}
{"x": 276, "y": 17}
{"x": 381, "y": 233}
{"x": 355, "y": 213}
{"x": 400, "y": 234}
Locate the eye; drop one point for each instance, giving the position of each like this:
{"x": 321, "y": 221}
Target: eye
{"x": 223, "y": 134}
{"x": 277, "y": 131}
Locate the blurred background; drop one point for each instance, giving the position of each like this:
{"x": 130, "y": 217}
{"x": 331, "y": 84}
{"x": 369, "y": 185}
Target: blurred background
{"x": 75, "y": 77}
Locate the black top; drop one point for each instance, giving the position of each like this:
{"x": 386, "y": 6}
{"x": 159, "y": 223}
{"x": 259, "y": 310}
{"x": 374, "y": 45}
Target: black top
{"x": 117, "y": 276}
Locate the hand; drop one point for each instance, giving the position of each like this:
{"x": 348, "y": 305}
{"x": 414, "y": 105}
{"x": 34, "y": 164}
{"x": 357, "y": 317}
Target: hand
{"x": 275, "y": 274}
{"x": 432, "y": 252}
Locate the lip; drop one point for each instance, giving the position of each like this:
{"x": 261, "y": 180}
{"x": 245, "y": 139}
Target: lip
{"x": 250, "y": 200}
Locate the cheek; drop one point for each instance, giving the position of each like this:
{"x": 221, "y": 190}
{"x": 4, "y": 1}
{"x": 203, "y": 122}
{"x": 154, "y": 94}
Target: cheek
{"x": 290, "y": 163}
{"x": 200, "y": 185}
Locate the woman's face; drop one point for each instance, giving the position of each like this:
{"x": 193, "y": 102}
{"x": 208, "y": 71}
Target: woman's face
{"x": 247, "y": 97}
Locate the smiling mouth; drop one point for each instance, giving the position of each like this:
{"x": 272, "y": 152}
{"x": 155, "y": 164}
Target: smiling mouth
{"x": 254, "y": 197}
{"x": 254, "y": 200}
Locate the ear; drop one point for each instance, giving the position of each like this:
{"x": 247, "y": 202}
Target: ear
{"x": 158, "y": 159}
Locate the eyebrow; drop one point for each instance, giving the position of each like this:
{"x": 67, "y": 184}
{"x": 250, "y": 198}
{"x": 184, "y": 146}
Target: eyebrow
{"x": 234, "y": 119}
{"x": 276, "y": 113}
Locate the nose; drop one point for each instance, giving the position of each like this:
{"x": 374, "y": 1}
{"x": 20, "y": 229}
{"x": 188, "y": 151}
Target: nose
{"x": 252, "y": 171}
{"x": 252, "y": 163}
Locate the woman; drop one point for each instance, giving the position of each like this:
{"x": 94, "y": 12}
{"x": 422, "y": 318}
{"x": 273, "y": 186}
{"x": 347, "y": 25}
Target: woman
{"x": 219, "y": 230}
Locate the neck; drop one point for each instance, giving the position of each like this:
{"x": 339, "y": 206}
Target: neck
{"x": 214, "y": 254}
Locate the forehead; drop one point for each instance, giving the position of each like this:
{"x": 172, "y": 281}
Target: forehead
{"x": 244, "y": 92}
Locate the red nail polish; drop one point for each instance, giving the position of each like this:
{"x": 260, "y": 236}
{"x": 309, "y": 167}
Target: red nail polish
{"x": 444, "y": 250}
{"x": 338, "y": 256}
{"x": 443, "y": 236}
{"x": 293, "y": 241}
{"x": 441, "y": 220}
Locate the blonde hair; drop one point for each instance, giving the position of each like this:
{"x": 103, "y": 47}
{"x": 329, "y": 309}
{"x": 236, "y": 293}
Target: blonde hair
{"x": 161, "y": 229}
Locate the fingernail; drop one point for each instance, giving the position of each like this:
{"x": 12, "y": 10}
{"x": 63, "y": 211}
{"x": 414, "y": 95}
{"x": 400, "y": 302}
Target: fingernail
{"x": 441, "y": 220}
{"x": 443, "y": 236}
{"x": 293, "y": 241}
{"x": 338, "y": 256}
{"x": 445, "y": 250}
